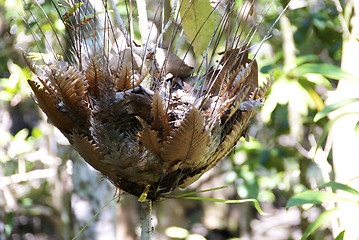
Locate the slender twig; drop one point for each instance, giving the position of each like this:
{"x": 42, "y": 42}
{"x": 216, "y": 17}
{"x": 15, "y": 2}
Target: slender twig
{"x": 146, "y": 217}
{"x": 143, "y": 21}
{"x": 121, "y": 26}
{"x": 344, "y": 25}
{"x": 168, "y": 24}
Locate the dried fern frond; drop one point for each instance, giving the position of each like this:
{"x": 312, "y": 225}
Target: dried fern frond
{"x": 95, "y": 76}
{"x": 49, "y": 105}
{"x": 160, "y": 116}
{"x": 140, "y": 114}
{"x": 187, "y": 144}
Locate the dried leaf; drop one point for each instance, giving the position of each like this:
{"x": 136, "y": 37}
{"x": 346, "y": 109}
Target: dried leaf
{"x": 71, "y": 88}
{"x": 236, "y": 103}
{"x": 223, "y": 149}
{"x": 93, "y": 155}
{"x": 129, "y": 69}
{"x": 48, "y": 104}
{"x": 31, "y": 64}
{"x": 160, "y": 116}
{"x": 220, "y": 78}
{"x": 149, "y": 138}
{"x": 171, "y": 63}
{"x": 263, "y": 89}
{"x": 252, "y": 79}
{"x": 238, "y": 79}
{"x": 188, "y": 144}
{"x": 231, "y": 138}
{"x": 94, "y": 75}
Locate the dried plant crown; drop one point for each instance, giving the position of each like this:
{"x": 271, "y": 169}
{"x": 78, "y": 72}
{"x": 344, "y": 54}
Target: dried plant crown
{"x": 138, "y": 113}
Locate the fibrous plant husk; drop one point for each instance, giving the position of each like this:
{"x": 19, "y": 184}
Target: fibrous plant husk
{"x": 165, "y": 134}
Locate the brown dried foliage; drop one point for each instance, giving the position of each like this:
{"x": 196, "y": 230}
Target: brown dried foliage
{"x": 157, "y": 135}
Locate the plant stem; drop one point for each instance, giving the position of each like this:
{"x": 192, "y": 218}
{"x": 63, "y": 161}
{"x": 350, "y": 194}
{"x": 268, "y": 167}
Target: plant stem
{"x": 121, "y": 26}
{"x": 143, "y": 22}
{"x": 146, "y": 217}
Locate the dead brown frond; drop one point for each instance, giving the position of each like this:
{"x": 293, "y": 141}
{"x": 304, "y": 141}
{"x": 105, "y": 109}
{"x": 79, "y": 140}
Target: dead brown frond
{"x": 71, "y": 88}
{"x": 49, "y": 105}
{"x": 188, "y": 144}
{"x": 95, "y": 76}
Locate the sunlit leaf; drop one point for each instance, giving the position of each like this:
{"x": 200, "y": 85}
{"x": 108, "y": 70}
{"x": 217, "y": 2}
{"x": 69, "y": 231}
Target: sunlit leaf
{"x": 22, "y": 134}
{"x": 339, "y": 186}
{"x": 314, "y": 197}
{"x": 36, "y": 56}
{"x": 36, "y": 132}
{"x": 317, "y": 100}
{"x": 327, "y": 70}
{"x": 192, "y": 193}
{"x": 340, "y": 235}
{"x": 319, "y": 79}
{"x": 195, "y": 236}
{"x": 74, "y": 8}
{"x": 255, "y": 202}
{"x": 199, "y": 22}
{"x": 322, "y": 219}
{"x": 143, "y": 196}
{"x": 176, "y": 232}
{"x": 333, "y": 107}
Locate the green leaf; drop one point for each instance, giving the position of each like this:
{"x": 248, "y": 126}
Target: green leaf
{"x": 36, "y": 56}
{"x": 22, "y": 134}
{"x": 336, "y": 186}
{"x": 327, "y": 70}
{"x": 36, "y": 132}
{"x": 255, "y": 202}
{"x": 314, "y": 197}
{"x": 323, "y": 218}
{"x": 74, "y": 8}
{"x": 143, "y": 197}
{"x": 333, "y": 107}
{"x": 306, "y": 58}
{"x": 319, "y": 79}
{"x": 199, "y": 22}
{"x": 192, "y": 193}
{"x": 340, "y": 235}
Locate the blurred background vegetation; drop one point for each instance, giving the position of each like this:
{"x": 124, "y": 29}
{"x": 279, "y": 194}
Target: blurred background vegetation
{"x": 291, "y": 149}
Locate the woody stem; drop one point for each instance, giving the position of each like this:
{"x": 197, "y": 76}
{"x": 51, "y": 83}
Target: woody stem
{"x": 146, "y": 217}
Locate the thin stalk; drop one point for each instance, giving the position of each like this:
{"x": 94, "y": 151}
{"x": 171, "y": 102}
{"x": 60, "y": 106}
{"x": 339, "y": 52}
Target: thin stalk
{"x": 146, "y": 217}
{"x": 121, "y": 26}
{"x": 143, "y": 22}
